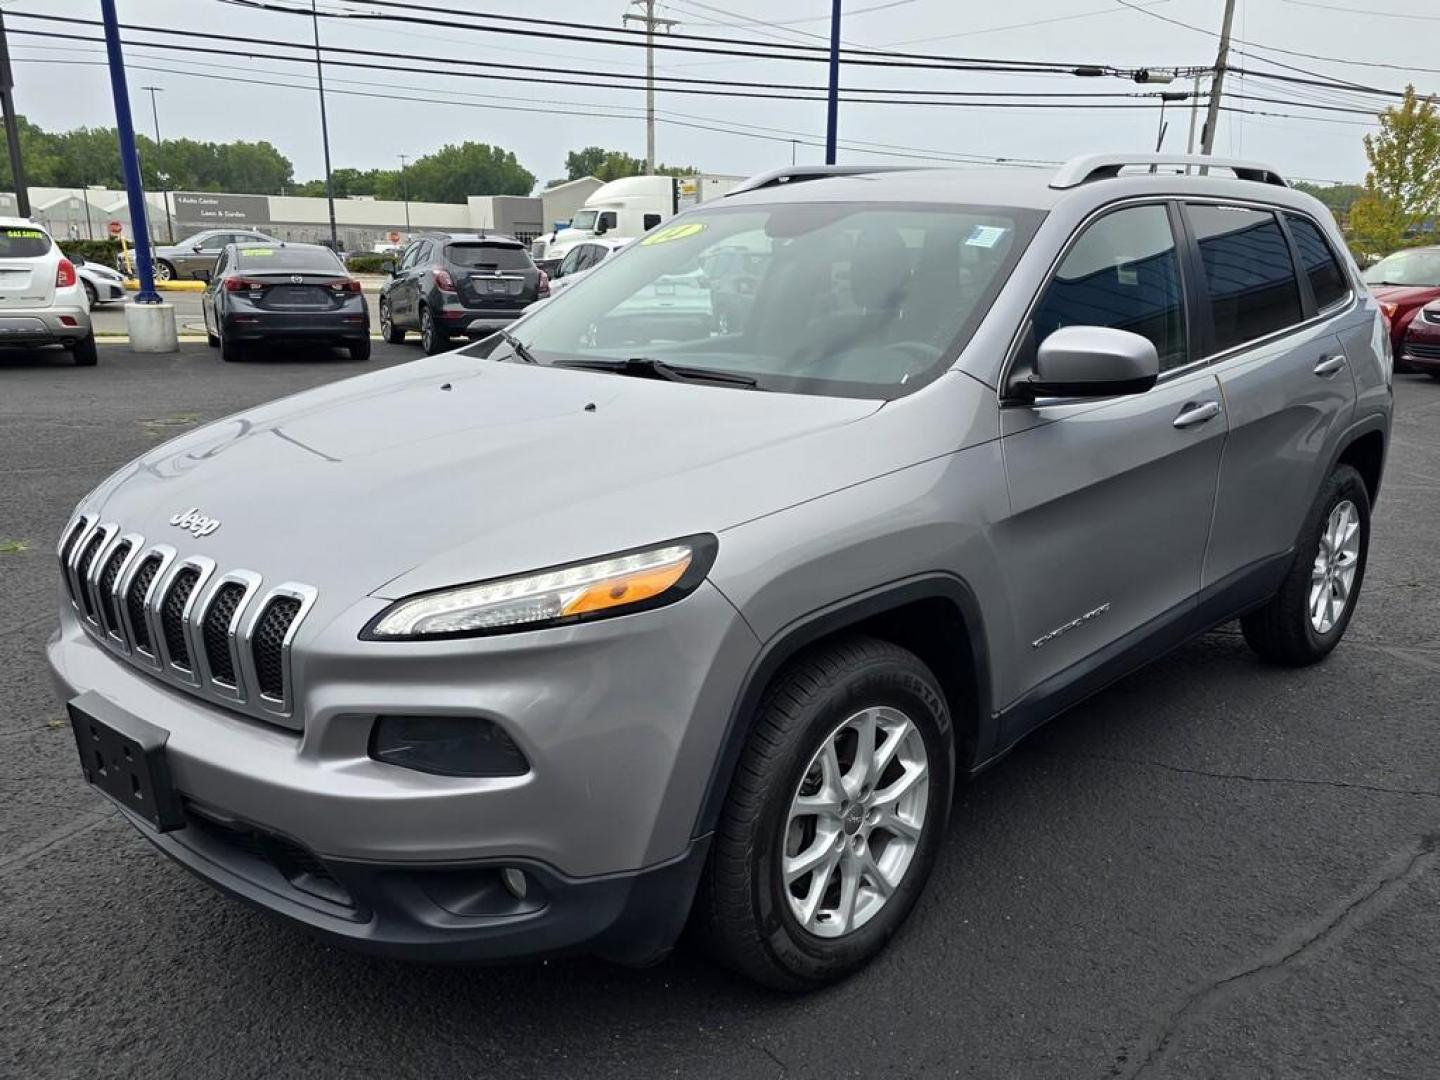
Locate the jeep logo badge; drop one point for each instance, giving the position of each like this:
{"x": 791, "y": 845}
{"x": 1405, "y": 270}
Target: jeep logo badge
{"x": 197, "y": 523}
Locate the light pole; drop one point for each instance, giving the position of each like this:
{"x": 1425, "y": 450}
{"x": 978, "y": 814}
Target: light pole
{"x": 405, "y": 194}
{"x": 164, "y": 188}
{"x": 324, "y": 126}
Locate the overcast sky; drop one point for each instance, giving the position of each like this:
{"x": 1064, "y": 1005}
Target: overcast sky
{"x": 369, "y": 131}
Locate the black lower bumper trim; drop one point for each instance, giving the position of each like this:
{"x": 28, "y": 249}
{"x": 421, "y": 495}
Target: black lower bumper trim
{"x": 454, "y": 913}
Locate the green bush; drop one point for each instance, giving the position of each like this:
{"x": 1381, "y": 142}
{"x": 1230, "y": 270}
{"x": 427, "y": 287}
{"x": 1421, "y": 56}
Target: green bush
{"x": 368, "y": 264}
{"x": 105, "y": 252}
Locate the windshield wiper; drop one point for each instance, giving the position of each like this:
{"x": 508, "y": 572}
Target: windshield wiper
{"x": 517, "y": 346}
{"x": 646, "y": 367}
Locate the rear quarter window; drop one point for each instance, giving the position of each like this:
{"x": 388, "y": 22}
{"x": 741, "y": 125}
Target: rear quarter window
{"x": 23, "y": 243}
{"x": 1327, "y": 281}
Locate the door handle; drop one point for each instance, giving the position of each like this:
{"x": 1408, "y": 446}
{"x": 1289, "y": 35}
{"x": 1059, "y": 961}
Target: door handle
{"x": 1329, "y": 365}
{"x": 1197, "y": 412}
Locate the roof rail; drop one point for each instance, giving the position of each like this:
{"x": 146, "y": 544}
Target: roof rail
{"x": 1087, "y": 167}
{"x": 796, "y": 173}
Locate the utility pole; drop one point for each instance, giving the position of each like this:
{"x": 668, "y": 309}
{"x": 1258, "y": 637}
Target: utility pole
{"x": 832, "y": 118}
{"x": 1194, "y": 113}
{"x": 405, "y": 192}
{"x": 12, "y": 125}
{"x": 324, "y": 127}
{"x": 650, "y": 22}
{"x": 1212, "y": 112}
{"x": 129, "y": 161}
{"x": 164, "y": 188}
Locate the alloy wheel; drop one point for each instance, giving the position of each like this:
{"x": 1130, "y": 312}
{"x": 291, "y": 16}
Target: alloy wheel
{"x": 855, "y": 822}
{"x": 162, "y": 270}
{"x": 1333, "y": 576}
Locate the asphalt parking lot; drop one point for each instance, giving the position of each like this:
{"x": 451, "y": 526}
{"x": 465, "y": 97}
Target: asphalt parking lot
{"x": 1214, "y": 869}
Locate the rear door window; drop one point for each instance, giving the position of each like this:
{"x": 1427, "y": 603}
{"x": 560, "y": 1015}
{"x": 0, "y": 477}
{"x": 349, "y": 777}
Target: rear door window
{"x": 1327, "y": 281}
{"x": 488, "y": 256}
{"x": 1123, "y": 272}
{"x": 1248, "y": 271}
{"x": 22, "y": 243}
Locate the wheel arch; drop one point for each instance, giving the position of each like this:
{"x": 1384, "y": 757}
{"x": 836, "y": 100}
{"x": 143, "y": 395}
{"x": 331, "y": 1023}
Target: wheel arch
{"x": 937, "y": 617}
{"x": 1363, "y": 448}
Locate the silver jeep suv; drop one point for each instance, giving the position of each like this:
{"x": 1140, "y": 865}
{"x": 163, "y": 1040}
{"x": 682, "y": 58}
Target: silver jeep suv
{"x": 616, "y": 621}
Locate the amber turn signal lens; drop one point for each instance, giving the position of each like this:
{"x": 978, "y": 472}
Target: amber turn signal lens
{"x": 629, "y": 589}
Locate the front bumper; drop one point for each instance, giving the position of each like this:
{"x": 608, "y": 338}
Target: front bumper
{"x": 61, "y": 325}
{"x": 1420, "y": 348}
{"x": 621, "y": 720}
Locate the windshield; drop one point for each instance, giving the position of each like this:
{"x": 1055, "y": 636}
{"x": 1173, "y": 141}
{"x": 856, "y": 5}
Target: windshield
{"x": 488, "y": 256}
{"x": 1406, "y": 268}
{"x": 315, "y": 260}
{"x": 855, "y": 300}
{"x": 585, "y": 219}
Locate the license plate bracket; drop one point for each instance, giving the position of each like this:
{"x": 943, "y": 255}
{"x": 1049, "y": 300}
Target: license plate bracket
{"x": 124, "y": 757}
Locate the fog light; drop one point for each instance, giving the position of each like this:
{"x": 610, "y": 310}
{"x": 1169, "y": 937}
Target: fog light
{"x": 447, "y": 746}
{"x": 514, "y": 881}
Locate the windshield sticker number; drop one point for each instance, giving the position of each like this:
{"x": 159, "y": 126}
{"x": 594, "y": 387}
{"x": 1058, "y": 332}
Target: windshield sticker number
{"x": 985, "y": 236}
{"x": 674, "y": 232}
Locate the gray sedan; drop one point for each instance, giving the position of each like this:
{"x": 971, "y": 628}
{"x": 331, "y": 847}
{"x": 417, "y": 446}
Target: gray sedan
{"x": 195, "y": 255}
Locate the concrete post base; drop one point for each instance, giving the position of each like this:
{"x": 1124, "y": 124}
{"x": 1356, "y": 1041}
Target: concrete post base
{"x": 152, "y": 328}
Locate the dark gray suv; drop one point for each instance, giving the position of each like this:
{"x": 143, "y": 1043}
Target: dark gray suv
{"x": 458, "y": 285}
{"x": 563, "y": 639}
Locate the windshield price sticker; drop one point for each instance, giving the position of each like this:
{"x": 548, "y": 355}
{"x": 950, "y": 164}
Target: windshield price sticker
{"x": 256, "y": 251}
{"x": 985, "y": 236}
{"x": 24, "y": 234}
{"x": 674, "y": 232}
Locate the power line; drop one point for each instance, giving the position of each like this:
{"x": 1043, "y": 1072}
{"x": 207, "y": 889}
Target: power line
{"x": 912, "y": 95}
{"x": 1367, "y": 14}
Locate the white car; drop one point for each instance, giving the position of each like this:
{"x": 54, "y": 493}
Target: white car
{"x": 583, "y": 258}
{"x": 102, "y": 285}
{"x": 42, "y": 301}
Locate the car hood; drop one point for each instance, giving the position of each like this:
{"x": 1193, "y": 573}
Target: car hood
{"x": 454, "y": 469}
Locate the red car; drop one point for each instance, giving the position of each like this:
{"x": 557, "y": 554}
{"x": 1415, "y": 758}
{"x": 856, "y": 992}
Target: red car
{"x": 1405, "y": 283}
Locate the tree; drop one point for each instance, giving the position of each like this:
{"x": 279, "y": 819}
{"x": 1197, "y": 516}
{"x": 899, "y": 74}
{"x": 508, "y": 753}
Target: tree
{"x": 1338, "y": 197}
{"x": 454, "y": 172}
{"x": 609, "y": 165}
{"x": 1402, "y": 189}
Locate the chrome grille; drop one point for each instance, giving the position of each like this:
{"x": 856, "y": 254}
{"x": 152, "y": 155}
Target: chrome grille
{"x": 221, "y": 635}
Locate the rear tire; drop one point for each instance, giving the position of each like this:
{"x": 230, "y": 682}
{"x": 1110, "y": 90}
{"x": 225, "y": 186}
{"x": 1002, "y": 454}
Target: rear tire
{"x": 91, "y": 300}
{"x": 801, "y": 793}
{"x": 1308, "y": 616}
{"x": 164, "y": 271}
{"x": 359, "y": 350}
{"x": 213, "y": 340}
{"x": 388, "y": 330}
{"x": 85, "y": 354}
{"x": 231, "y": 351}
{"x": 432, "y": 338}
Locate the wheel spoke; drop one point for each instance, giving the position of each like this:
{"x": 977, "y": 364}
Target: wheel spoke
{"x": 814, "y": 856}
{"x": 862, "y": 769}
{"x": 895, "y": 736}
{"x": 849, "y": 891}
{"x": 876, "y": 876}
{"x": 896, "y": 791}
{"x": 819, "y": 886}
{"x": 891, "y": 822}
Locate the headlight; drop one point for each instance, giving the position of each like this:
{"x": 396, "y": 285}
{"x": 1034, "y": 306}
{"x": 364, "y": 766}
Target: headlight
{"x": 614, "y": 585}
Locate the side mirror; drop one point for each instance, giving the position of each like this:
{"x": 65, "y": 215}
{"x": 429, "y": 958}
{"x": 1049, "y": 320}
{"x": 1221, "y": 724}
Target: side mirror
{"x": 197, "y": 249}
{"x": 388, "y": 266}
{"x": 1092, "y": 361}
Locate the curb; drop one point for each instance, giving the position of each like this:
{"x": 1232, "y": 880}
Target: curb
{"x": 168, "y": 286}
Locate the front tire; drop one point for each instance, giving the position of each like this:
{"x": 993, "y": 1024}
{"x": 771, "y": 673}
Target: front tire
{"x": 92, "y": 301}
{"x": 834, "y": 817}
{"x": 1308, "y": 616}
{"x": 432, "y": 338}
{"x": 164, "y": 271}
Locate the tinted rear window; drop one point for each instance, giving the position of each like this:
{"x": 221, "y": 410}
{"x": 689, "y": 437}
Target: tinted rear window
{"x": 1253, "y": 290}
{"x": 299, "y": 260}
{"x": 488, "y": 256}
{"x": 23, "y": 243}
{"x": 1327, "y": 280}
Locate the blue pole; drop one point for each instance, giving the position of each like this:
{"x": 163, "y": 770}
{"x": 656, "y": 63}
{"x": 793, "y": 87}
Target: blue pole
{"x": 832, "y": 122}
{"x": 129, "y": 161}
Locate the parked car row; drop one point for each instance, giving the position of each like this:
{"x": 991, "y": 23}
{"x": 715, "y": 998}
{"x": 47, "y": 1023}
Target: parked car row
{"x": 1407, "y": 284}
